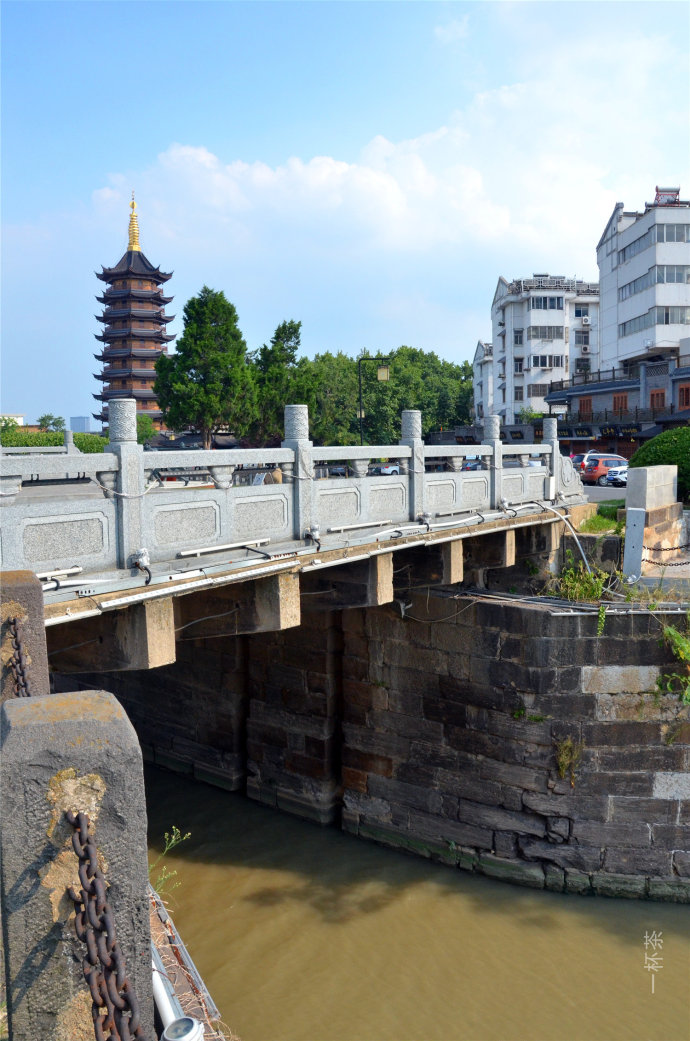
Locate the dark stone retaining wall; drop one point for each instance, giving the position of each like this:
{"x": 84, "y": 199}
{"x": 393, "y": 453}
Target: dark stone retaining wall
{"x": 437, "y": 733}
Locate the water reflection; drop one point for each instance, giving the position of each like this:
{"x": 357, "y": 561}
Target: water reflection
{"x": 305, "y": 933}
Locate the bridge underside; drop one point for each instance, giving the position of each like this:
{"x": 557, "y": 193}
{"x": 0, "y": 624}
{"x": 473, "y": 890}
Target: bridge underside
{"x": 430, "y": 717}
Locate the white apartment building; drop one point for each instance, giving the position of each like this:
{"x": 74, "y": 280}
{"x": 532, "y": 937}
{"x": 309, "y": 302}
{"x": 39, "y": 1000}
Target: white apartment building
{"x": 544, "y": 328}
{"x": 644, "y": 277}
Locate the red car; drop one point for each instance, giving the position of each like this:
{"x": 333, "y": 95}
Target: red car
{"x": 598, "y": 466}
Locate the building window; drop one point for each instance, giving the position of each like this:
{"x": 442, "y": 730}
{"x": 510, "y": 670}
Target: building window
{"x": 673, "y": 232}
{"x": 582, "y": 337}
{"x": 672, "y": 316}
{"x": 657, "y": 398}
{"x": 582, "y": 365}
{"x": 620, "y": 402}
{"x": 517, "y": 365}
{"x": 546, "y": 303}
{"x": 518, "y": 335}
{"x": 547, "y": 361}
{"x": 584, "y": 406}
{"x": 545, "y": 332}
{"x": 519, "y": 394}
{"x": 673, "y": 272}
{"x": 503, "y": 395}
{"x": 538, "y": 390}
{"x": 684, "y": 395}
{"x": 581, "y": 310}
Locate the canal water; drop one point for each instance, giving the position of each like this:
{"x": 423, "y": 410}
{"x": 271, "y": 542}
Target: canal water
{"x": 303, "y": 933}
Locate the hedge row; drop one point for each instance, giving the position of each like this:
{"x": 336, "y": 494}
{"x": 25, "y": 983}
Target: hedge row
{"x": 47, "y": 439}
{"x": 673, "y": 446}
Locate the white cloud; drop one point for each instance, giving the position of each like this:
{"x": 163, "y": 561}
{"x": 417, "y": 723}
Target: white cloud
{"x": 451, "y": 32}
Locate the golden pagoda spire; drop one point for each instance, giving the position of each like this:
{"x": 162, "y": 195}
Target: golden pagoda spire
{"x": 133, "y": 229}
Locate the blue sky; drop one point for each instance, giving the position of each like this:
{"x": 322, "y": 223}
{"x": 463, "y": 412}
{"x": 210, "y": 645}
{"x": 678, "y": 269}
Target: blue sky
{"x": 367, "y": 168}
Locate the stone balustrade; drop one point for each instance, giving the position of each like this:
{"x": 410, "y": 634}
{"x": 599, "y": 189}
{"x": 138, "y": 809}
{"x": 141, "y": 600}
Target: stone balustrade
{"x": 138, "y": 509}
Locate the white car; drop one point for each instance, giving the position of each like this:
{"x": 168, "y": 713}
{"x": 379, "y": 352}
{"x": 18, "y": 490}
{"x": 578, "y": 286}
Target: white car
{"x": 617, "y": 476}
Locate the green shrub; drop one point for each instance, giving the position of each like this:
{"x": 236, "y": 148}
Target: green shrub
{"x": 51, "y": 439}
{"x": 91, "y": 443}
{"x": 671, "y": 447}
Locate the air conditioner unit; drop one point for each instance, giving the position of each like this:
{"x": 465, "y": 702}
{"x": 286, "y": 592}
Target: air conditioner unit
{"x": 586, "y": 320}
{"x": 584, "y": 348}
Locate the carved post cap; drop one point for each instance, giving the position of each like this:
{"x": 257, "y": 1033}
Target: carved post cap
{"x": 122, "y": 419}
{"x": 492, "y": 426}
{"x": 411, "y": 425}
{"x": 550, "y": 428}
{"x": 296, "y": 423}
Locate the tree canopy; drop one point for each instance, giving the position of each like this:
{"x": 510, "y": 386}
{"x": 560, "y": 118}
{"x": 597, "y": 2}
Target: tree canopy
{"x": 211, "y": 383}
{"x": 50, "y": 422}
{"x": 207, "y": 384}
{"x": 670, "y": 447}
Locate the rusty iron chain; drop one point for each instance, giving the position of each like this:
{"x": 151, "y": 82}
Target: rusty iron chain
{"x": 115, "y": 1009}
{"x": 17, "y": 662}
{"x": 668, "y": 549}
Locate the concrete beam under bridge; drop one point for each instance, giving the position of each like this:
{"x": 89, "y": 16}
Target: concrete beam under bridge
{"x": 363, "y": 583}
{"x": 141, "y": 636}
{"x": 269, "y": 604}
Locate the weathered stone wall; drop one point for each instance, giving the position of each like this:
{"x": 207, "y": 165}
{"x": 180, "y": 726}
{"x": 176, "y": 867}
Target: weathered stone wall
{"x": 437, "y": 725}
{"x": 452, "y": 729}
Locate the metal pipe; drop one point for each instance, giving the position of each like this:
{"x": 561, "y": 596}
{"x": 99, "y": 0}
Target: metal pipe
{"x": 220, "y": 549}
{"x": 353, "y": 527}
{"x": 60, "y": 571}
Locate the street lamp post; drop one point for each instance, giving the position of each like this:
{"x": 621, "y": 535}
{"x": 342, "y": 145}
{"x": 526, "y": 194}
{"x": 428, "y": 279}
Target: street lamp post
{"x": 383, "y": 374}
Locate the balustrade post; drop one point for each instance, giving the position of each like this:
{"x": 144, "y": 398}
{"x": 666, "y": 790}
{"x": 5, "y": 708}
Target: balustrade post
{"x": 302, "y": 476}
{"x": 129, "y": 486}
{"x": 411, "y": 431}
{"x": 70, "y": 447}
{"x": 492, "y": 426}
{"x": 550, "y": 437}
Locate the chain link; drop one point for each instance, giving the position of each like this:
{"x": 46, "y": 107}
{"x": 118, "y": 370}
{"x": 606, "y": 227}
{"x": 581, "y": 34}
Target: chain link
{"x": 115, "y": 1008}
{"x": 668, "y": 549}
{"x": 17, "y": 662}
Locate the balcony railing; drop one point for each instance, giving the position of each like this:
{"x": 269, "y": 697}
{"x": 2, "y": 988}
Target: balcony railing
{"x": 581, "y": 379}
{"x": 617, "y": 416}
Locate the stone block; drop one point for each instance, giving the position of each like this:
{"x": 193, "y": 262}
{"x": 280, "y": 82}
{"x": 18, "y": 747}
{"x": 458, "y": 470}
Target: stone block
{"x": 516, "y": 871}
{"x": 627, "y": 886}
{"x": 652, "y": 811}
{"x": 625, "y": 733}
{"x": 554, "y": 878}
{"x": 426, "y": 827}
{"x": 405, "y": 726}
{"x": 505, "y": 844}
{"x": 415, "y": 796}
{"x": 65, "y": 752}
{"x": 638, "y": 862}
{"x": 652, "y": 487}
{"x": 21, "y": 598}
{"x": 672, "y": 785}
{"x": 499, "y": 819}
{"x": 581, "y": 858}
{"x": 570, "y": 805}
{"x": 628, "y": 782}
{"x": 576, "y": 882}
{"x": 675, "y": 891}
{"x": 666, "y": 758}
{"x": 614, "y": 679}
{"x": 681, "y": 864}
{"x": 669, "y": 836}
{"x": 524, "y": 777}
{"x": 467, "y": 787}
{"x": 598, "y": 833}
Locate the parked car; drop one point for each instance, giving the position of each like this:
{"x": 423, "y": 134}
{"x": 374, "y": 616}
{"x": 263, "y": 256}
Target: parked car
{"x": 598, "y": 467}
{"x": 390, "y": 468}
{"x": 580, "y": 460}
{"x": 617, "y": 476}
{"x": 472, "y": 464}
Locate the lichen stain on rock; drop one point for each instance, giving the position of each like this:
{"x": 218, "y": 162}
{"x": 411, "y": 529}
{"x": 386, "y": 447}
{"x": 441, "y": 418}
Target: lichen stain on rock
{"x": 67, "y": 791}
{"x": 10, "y": 609}
{"x": 74, "y": 1019}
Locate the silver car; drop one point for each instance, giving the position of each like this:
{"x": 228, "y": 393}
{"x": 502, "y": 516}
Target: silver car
{"x": 617, "y": 476}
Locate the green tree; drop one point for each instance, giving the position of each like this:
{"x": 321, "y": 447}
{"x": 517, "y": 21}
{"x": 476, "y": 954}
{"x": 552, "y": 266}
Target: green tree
{"x": 8, "y": 425}
{"x": 50, "y": 422}
{"x": 207, "y": 384}
{"x": 670, "y": 447}
{"x": 145, "y": 429}
{"x": 276, "y": 370}
{"x": 528, "y": 415}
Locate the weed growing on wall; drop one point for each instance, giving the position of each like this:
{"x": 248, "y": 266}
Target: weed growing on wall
{"x": 568, "y": 756}
{"x": 575, "y": 582}
{"x": 165, "y": 878}
{"x": 679, "y": 645}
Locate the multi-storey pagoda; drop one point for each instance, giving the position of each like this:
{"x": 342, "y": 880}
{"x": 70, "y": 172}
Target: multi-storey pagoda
{"x": 134, "y": 335}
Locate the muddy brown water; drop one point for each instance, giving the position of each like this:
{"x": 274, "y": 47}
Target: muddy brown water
{"x": 302, "y": 933}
